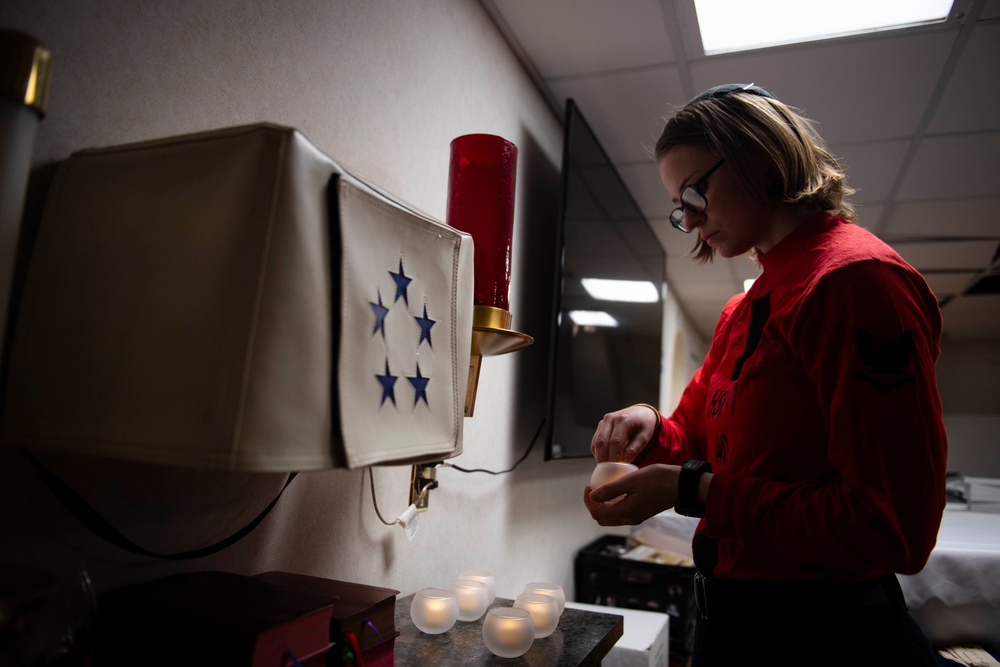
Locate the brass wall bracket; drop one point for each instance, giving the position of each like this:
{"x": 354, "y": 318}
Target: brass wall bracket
{"x": 423, "y": 478}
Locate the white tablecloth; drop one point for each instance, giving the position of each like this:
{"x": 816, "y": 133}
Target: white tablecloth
{"x": 956, "y": 597}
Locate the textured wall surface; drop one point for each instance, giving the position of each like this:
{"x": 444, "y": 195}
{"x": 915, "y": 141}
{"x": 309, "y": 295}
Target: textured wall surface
{"x": 382, "y": 87}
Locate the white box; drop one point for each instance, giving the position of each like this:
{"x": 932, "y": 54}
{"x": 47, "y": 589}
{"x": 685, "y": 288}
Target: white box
{"x": 644, "y": 642}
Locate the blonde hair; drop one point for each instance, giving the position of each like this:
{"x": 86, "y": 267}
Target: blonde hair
{"x": 774, "y": 151}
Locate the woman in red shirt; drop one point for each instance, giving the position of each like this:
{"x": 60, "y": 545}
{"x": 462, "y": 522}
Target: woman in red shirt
{"x": 810, "y": 442}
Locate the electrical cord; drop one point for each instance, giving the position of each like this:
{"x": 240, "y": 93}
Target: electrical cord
{"x": 501, "y": 472}
{"x": 371, "y": 479}
{"x": 89, "y": 517}
{"x": 433, "y": 484}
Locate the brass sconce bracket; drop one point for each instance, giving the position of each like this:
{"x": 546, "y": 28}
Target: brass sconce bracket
{"x": 491, "y": 336}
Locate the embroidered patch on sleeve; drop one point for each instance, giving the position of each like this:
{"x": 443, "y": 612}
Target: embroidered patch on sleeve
{"x": 884, "y": 362}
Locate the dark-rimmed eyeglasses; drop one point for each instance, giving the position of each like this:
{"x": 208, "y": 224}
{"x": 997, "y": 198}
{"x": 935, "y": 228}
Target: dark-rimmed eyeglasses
{"x": 693, "y": 200}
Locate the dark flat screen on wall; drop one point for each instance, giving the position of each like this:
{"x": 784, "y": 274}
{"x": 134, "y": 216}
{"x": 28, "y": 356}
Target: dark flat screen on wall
{"x": 596, "y": 369}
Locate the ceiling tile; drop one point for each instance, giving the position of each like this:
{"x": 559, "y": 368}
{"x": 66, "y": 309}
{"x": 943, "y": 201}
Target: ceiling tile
{"x": 944, "y": 217}
{"x": 858, "y": 89}
{"x": 869, "y": 215}
{"x": 625, "y": 110}
{"x": 972, "y": 319}
{"x": 947, "y": 254}
{"x": 954, "y": 166}
{"x": 871, "y": 167}
{"x": 686, "y": 269}
{"x": 571, "y": 37}
{"x": 947, "y": 283}
{"x": 977, "y": 77}
{"x": 643, "y": 181}
{"x": 677, "y": 244}
{"x": 991, "y": 10}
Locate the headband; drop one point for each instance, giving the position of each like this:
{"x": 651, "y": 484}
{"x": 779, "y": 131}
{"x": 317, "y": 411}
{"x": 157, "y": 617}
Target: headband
{"x": 727, "y": 88}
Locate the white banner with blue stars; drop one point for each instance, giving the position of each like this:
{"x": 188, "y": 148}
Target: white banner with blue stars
{"x": 206, "y": 320}
{"x": 405, "y": 332}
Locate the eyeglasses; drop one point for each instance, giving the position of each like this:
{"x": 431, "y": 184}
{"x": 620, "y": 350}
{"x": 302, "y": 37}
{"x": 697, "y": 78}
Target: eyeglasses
{"x": 692, "y": 199}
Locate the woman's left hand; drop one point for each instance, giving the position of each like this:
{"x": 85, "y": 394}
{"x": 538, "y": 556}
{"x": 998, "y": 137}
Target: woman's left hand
{"x": 647, "y": 492}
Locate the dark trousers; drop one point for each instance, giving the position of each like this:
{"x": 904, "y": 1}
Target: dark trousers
{"x": 807, "y": 625}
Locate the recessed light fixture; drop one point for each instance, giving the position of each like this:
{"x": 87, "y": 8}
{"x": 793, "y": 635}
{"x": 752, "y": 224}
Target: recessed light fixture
{"x": 738, "y": 25}
{"x": 592, "y": 318}
{"x": 748, "y": 283}
{"x": 636, "y": 291}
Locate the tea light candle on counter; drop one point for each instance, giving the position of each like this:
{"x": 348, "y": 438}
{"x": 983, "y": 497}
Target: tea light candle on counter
{"x": 555, "y": 590}
{"x": 434, "y": 610}
{"x": 485, "y": 577}
{"x": 473, "y": 598}
{"x": 508, "y": 632}
{"x": 544, "y": 612}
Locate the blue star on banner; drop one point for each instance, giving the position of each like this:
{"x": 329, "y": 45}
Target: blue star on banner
{"x": 388, "y": 382}
{"x": 419, "y": 387}
{"x": 380, "y": 313}
{"x": 425, "y": 324}
{"x": 396, "y": 339}
{"x": 402, "y": 282}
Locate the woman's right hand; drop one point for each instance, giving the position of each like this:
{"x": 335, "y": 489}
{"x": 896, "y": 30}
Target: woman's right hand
{"x": 621, "y": 435}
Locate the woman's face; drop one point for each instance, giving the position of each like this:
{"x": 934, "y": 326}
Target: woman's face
{"x": 733, "y": 222}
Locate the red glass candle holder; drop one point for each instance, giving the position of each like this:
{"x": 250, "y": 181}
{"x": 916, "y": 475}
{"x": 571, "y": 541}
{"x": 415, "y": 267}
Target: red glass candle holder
{"x": 481, "y": 203}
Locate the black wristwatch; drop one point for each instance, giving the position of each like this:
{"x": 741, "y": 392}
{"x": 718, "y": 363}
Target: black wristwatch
{"x": 688, "y": 503}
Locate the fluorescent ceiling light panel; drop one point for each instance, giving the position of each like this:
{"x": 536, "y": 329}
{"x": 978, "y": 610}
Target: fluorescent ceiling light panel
{"x": 636, "y": 291}
{"x": 592, "y": 318}
{"x": 736, "y": 25}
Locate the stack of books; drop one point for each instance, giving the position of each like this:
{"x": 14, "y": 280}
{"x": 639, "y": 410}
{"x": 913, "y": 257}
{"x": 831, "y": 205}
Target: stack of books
{"x": 363, "y": 617}
{"x": 219, "y": 618}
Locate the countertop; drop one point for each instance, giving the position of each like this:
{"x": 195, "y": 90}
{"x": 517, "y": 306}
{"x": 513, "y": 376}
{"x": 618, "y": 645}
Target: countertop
{"x": 582, "y": 638}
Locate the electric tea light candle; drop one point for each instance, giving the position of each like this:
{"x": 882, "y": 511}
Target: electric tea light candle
{"x": 608, "y": 471}
{"x": 555, "y": 590}
{"x": 486, "y": 577}
{"x": 543, "y": 609}
{"x": 434, "y": 610}
{"x": 473, "y": 598}
{"x": 508, "y": 632}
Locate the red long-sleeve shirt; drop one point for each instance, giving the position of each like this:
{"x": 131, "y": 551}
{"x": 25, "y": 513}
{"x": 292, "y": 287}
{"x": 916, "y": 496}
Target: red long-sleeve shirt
{"x": 818, "y": 408}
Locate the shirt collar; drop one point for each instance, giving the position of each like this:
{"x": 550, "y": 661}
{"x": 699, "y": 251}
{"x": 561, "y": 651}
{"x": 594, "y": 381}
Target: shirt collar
{"x": 798, "y": 240}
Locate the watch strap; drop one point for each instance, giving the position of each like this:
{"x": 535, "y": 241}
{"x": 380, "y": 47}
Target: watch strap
{"x": 688, "y": 502}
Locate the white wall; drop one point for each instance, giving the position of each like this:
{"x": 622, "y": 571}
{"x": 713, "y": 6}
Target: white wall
{"x": 969, "y": 381}
{"x": 382, "y": 87}
{"x": 684, "y": 350}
